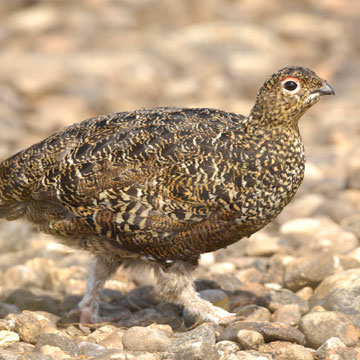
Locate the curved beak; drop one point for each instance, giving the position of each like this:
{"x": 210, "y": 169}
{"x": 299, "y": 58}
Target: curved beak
{"x": 325, "y": 90}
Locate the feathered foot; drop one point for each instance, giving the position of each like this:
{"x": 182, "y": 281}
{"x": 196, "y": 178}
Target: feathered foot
{"x": 175, "y": 285}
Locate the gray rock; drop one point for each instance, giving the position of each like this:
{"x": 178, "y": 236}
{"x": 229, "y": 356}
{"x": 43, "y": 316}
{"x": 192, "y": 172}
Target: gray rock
{"x": 249, "y": 340}
{"x": 145, "y": 339}
{"x": 288, "y": 314}
{"x": 270, "y": 331}
{"x": 146, "y": 317}
{"x": 328, "y": 347}
{"x": 94, "y": 350}
{"x": 28, "y": 326}
{"x": 59, "y": 341}
{"x": 193, "y": 343}
{"x": 6, "y": 309}
{"x": 253, "y": 313}
{"x": 309, "y": 270}
{"x": 284, "y": 350}
{"x": 226, "y": 348}
{"x": 340, "y": 292}
{"x": 334, "y": 348}
{"x": 277, "y": 298}
{"x": 321, "y": 326}
{"x": 197, "y": 351}
{"x": 34, "y": 299}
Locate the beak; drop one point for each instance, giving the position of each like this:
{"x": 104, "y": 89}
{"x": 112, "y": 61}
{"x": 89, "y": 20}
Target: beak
{"x": 325, "y": 90}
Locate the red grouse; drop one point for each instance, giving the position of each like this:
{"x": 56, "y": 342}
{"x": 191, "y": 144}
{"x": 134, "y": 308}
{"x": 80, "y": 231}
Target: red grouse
{"x": 162, "y": 186}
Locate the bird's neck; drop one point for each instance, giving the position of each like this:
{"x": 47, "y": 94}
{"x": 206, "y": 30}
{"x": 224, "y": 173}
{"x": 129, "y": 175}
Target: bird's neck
{"x": 272, "y": 119}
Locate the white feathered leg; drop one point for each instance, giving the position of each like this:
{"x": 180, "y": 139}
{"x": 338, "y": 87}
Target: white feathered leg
{"x": 175, "y": 285}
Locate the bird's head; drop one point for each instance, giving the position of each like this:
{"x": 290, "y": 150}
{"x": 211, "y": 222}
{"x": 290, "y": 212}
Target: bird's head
{"x": 287, "y": 94}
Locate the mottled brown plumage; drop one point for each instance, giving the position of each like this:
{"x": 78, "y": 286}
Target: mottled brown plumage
{"x": 163, "y": 186}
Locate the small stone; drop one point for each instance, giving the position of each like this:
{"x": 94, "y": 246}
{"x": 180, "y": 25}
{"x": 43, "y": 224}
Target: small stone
{"x": 249, "y": 340}
{"x": 59, "y": 341}
{"x": 252, "y": 355}
{"x": 21, "y": 347}
{"x": 321, "y": 326}
{"x": 278, "y": 298}
{"x": 284, "y": 350}
{"x": 28, "y": 326}
{"x": 262, "y": 244}
{"x": 36, "y": 299}
{"x": 55, "y": 352}
{"x": 101, "y": 333}
{"x": 145, "y": 339}
{"x": 328, "y": 347}
{"x": 148, "y": 316}
{"x": 305, "y": 293}
{"x": 190, "y": 345}
{"x": 113, "y": 340}
{"x": 226, "y": 347}
{"x": 340, "y": 292}
{"x": 253, "y": 313}
{"x": 310, "y": 270}
{"x": 92, "y": 350}
{"x": 196, "y": 352}
{"x": 288, "y": 314}
{"x": 250, "y": 274}
{"x": 320, "y": 234}
{"x": 334, "y": 348}
{"x": 270, "y": 331}
{"x": 8, "y": 337}
{"x": 216, "y": 297}
{"x": 6, "y": 309}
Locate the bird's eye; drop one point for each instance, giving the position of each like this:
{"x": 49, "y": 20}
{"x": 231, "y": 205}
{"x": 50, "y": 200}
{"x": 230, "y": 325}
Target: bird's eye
{"x": 291, "y": 84}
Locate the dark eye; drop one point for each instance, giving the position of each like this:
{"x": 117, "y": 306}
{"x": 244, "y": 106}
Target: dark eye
{"x": 290, "y": 85}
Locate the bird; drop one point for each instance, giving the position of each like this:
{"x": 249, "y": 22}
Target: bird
{"x": 156, "y": 188}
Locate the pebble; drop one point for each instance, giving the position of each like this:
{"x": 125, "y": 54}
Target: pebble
{"x": 28, "y": 326}
{"x": 284, "y": 350}
{"x": 320, "y": 234}
{"x": 54, "y": 352}
{"x": 321, "y": 326}
{"x": 34, "y": 299}
{"x": 253, "y": 313}
{"x": 6, "y": 309}
{"x": 270, "y": 331}
{"x": 340, "y": 292}
{"x": 191, "y": 344}
{"x": 57, "y": 340}
{"x": 226, "y": 348}
{"x": 309, "y": 270}
{"x": 8, "y": 337}
{"x": 278, "y": 298}
{"x": 334, "y": 348}
{"x": 216, "y": 297}
{"x": 288, "y": 314}
{"x": 249, "y": 340}
{"x": 145, "y": 339}
{"x": 93, "y": 350}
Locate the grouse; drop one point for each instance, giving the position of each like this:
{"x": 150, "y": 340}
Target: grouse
{"x": 160, "y": 187}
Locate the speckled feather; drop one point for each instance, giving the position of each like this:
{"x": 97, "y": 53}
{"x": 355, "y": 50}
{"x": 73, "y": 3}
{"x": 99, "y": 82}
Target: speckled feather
{"x": 164, "y": 184}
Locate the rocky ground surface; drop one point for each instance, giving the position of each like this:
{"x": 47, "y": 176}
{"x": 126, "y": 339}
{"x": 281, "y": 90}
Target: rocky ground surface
{"x": 296, "y": 284}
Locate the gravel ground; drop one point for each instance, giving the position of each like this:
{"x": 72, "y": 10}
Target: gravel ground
{"x": 296, "y": 283}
